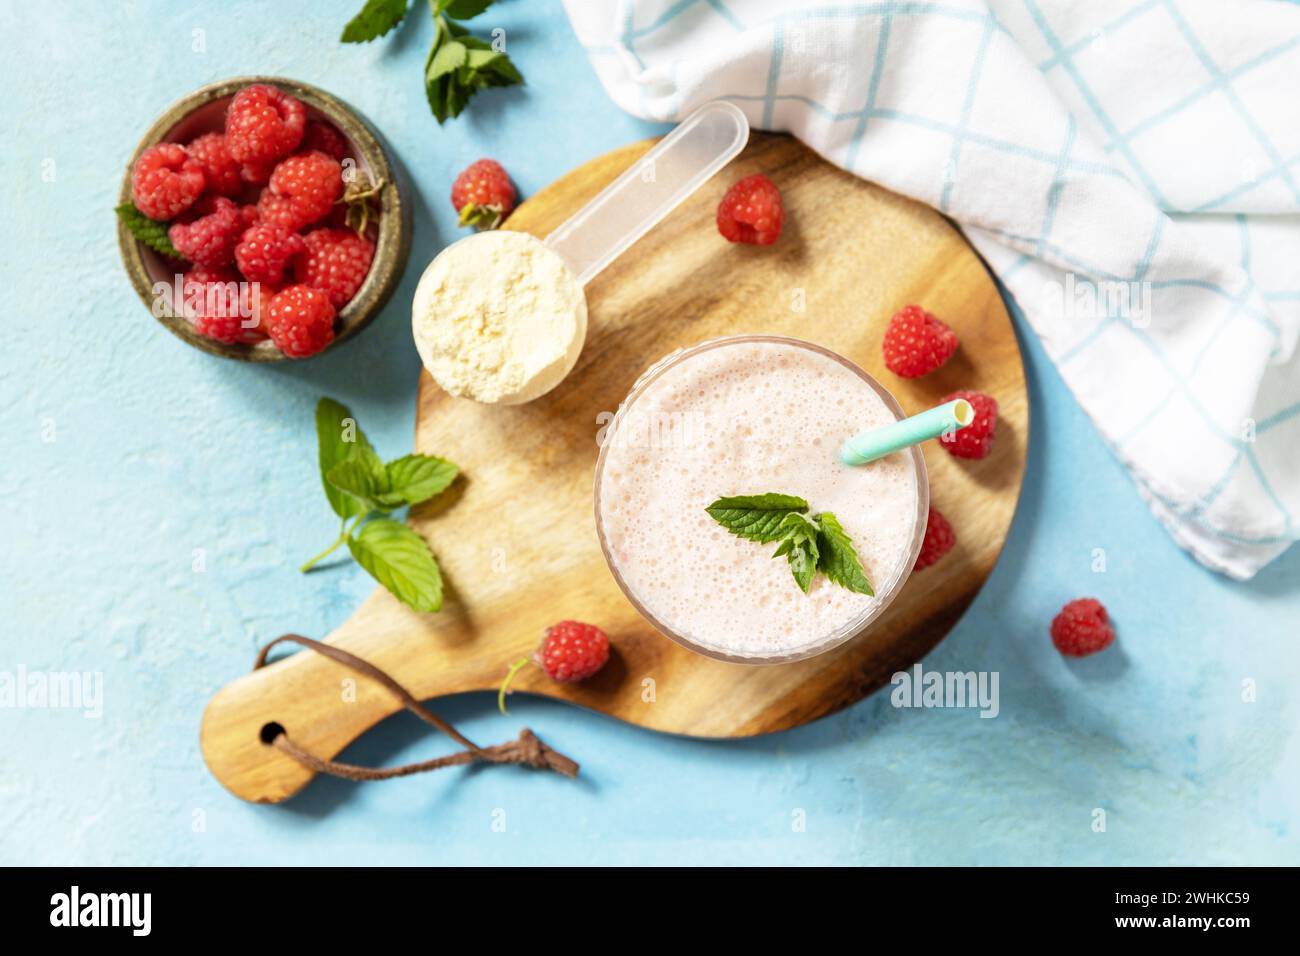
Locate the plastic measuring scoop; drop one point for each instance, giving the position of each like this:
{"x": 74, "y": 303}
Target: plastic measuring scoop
{"x": 650, "y": 189}
{"x": 470, "y": 339}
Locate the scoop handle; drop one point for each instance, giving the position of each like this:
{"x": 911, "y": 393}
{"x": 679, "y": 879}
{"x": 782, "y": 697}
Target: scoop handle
{"x": 650, "y": 189}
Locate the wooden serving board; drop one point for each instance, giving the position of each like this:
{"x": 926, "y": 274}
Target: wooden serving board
{"x": 516, "y": 535}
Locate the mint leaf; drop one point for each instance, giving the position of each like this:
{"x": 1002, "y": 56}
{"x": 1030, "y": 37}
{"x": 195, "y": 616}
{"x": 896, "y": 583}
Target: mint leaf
{"x": 503, "y": 70}
{"x": 356, "y": 479}
{"x": 799, "y": 545}
{"x": 494, "y": 66}
{"x": 376, "y": 18}
{"x": 416, "y": 478}
{"x": 446, "y": 58}
{"x": 149, "y": 231}
{"x": 755, "y": 517}
{"x": 401, "y": 561}
{"x": 339, "y": 438}
{"x": 463, "y": 9}
{"x": 432, "y": 86}
{"x": 375, "y": 486}
{"x": 837, "y": 559}
{"x": 479, "y": 57}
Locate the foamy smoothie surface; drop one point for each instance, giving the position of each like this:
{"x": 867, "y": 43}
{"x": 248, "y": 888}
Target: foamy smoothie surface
{"x": 498, "y": 317}
{"x": 749, "y": 418}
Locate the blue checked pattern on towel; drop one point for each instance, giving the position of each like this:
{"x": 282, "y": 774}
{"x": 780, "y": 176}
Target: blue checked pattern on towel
{"x": 1130, "y": 170}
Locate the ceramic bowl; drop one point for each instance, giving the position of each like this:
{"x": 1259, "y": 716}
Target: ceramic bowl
{"x": 204, "y": 111}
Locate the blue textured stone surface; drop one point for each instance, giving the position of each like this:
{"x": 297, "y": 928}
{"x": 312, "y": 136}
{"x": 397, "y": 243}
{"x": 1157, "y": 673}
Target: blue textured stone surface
{"x": 129, "y": 452}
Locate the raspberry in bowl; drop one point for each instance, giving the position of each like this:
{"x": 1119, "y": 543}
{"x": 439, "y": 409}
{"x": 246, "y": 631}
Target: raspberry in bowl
{"x": 261, "y": 219}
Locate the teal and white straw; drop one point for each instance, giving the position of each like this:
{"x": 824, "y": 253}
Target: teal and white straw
{"x": 878, "y": 442}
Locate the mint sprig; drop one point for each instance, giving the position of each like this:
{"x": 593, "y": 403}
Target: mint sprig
{"x": 459, "y": 64}
{"x": 810, "y": 543}
{"x": 149, "y": 231}
{"x": 363, "y": 490}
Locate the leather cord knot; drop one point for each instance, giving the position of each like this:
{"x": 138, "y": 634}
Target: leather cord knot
{"x": 527, "y": 748}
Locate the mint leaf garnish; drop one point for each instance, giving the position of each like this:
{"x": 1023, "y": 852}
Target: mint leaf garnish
{"x": 149, "y": 231}
{"x": 810, "y": 543}
{"x": 756, "y": 517}
{"x": 361, "y": 488}
{"x": 416, "y": 478}
{"x": 376, "y": 18}
{"x": 799, "y": 545}
{"x": 399, "y": 559}
{"x": 837, "y": 560}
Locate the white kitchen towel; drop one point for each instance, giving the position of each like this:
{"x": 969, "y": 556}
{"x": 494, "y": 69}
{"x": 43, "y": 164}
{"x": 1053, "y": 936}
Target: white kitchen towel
{"x": 1130, "y": 170}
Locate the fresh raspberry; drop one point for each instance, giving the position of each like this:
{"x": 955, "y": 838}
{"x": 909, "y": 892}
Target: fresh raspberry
{"x": 211, "y": 274}
{"x": 573, "y": 651}
{"x": 302, "y": 190}
{"x": 976, "y": 439}
{"x": 1082, "y": 628}
{"x": 257, "y": 174}
{"x": 570, "y": 651}
{"x": 300, "y": 321}
{"x": 205, "y": 205}
{"x": 324, "y": 138}
{"x": 482, "y": 194}
{"x": 917, "y": 343}
{"x": 277, "y": 210}
{"x": 208, "y": 203}
{"x": 751, "y": 212}
{"x": 166, "y": 181}
{"x": 219, "y": 171}
{"x": 255, "y": 297}
{"x": 221, "y": 307}
{"x": 210, "y": 240}
{"x": 265, "y": 251}
{"x": 263, "y": 124}
{"x": 336, "y": 262}
{"x": 939, "y": 539}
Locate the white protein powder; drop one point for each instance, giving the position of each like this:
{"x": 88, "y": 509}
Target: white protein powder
{"x": 498, "y": 317}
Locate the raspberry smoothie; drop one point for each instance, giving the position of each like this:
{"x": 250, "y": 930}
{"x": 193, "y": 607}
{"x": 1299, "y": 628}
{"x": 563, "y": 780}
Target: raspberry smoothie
{"x": 750, "y": 415}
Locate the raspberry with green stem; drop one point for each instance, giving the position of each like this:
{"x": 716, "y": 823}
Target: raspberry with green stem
{"x": 570, "y": 651}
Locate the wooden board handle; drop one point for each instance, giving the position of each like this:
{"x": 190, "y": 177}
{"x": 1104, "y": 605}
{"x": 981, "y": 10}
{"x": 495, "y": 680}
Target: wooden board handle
{"x": 243, "y": 717}
{"x": 322, "y": 704}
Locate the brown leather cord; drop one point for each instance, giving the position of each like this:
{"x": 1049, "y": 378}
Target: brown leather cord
{"x": 526, "y": 749}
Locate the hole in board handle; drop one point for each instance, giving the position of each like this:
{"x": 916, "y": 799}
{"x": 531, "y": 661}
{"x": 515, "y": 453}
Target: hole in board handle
{"x": 270, "y": 731}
